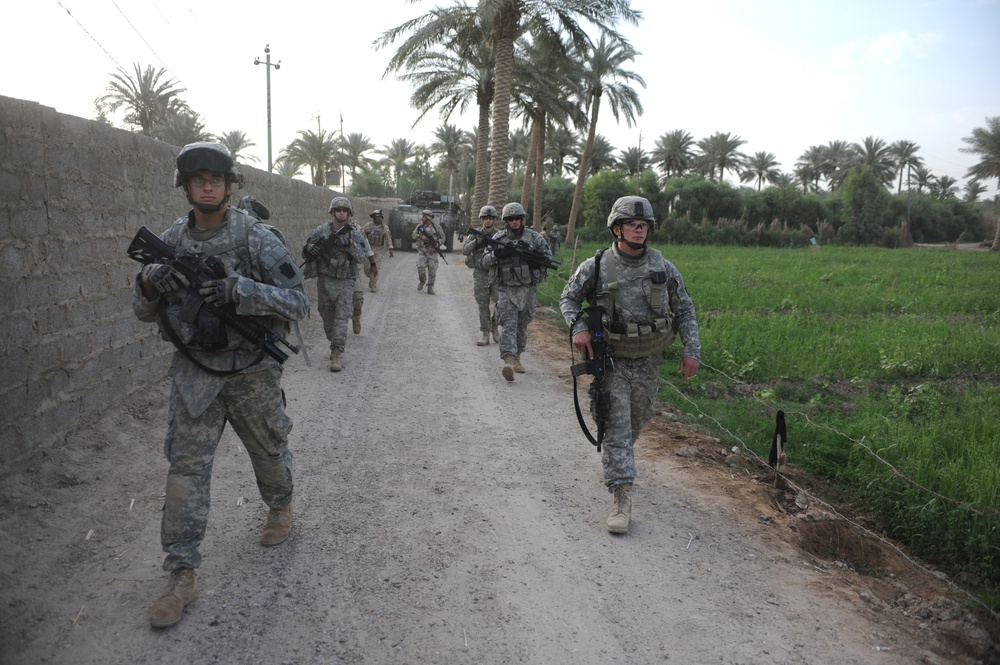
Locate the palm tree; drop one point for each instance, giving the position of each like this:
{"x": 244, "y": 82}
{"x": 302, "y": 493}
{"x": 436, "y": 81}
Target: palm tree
{"x": 147, "y": 98}
{"x": 809, "y": 168}
{"x": 603, "y": 77}
{"x": 449, "y": 58}
{"x": 287, "y": 168}
{"x": 352, "y": 152}
{"x": 449, "y": 142}
{"x": 973, "y": 190}
{"x": 873, "y": 154}
{"x": 317, "y": 150}
{"x": 837, "y": 159}
{"x": 905, "y": 155}
{"x": 762, "y": 167}
{"x": 633, "y": 161}
{"x": 673, "y": 153}
{"x": 922, "y": 177}
{"x": 945, "y": 187}
{"x": 720, "y": 151}
{"x": 237, "y": 142}
{"x": 396, "y": 155}
{"x": 985, "y": 142}
{"x": 558, "y": 146}
{"x": 182, "y": 128}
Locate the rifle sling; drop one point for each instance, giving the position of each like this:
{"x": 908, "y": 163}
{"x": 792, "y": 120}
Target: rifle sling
{"x": 581, "y": 368}
{"x": 179, "y": 345}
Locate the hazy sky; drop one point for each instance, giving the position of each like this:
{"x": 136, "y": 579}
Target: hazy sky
{"x": 781, "y": 74}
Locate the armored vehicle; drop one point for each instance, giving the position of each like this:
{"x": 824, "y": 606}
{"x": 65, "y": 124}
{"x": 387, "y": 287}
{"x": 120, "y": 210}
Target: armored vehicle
{"x": 406, "y": 217}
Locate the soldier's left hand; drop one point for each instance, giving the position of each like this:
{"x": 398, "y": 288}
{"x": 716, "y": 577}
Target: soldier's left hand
{"x": 221, "y": 292}
{"x": 373, "y": 268}
{"x": 688, "y": 368}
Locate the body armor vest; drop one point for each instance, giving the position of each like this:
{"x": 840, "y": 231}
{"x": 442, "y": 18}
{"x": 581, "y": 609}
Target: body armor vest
{"x": 628, "y": 337}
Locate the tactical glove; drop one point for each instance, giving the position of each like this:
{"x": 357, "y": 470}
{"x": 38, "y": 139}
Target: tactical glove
{"x": 163, "y": 277}
{"x": 311, "y": 250}
{"x": 221, "y": 292}
{"x": 503, "y": 252}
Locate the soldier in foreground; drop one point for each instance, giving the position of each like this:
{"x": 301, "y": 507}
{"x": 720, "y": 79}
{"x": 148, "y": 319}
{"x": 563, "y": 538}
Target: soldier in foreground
{"x": 428, "y": 236}
{"x": 644, "y": 304}
{"x": 518, "y": 280}
{"x": 218, "y": 376}
{"x": 332, "y": 253}
{"x": 380, "y": 240}
{"x": 484, "y": 288}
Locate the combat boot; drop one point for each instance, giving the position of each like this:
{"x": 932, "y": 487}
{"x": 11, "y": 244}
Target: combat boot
{"x": 621, "y": 515}
{"x": 518, "y": 367}
{"x": 277, "y": 526}
{"x": 335, "y": 365}
{"x": 508, "y": 368}
{"x": 485, "y": 341}
{"x": 430, "y": 289}
{"x": 169, "y": 607}
{"x": 496, "y": 333}
{"x": 356, "y": 321}
{"x": 420, "y": 285}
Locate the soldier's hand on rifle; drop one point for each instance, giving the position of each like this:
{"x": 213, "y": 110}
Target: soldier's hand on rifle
{"x": 311, "y": 250}
{"x": 163, "y": 278}
{"x": 581, "y": 341}
{"x": 221, "y": 291}
{"x": 504, "y": 252}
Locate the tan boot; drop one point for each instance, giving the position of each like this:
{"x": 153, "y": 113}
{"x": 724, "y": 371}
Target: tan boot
{"x": 277, "y": 526}
{"x": 508, "y": 368}
{"x": 485, "y": 341}
{"x": 359, "y": 303}
{"x": 420, "y": 285}
{"x": 621, "y": 515}
{"x": 169, "y": 607}
{"x": 356, "y": 321}
{"x": 430, "y": 289}
{"x": 518, "y": 367}
{"x": 496, "y": 333}
{"x": 335, "y": 365}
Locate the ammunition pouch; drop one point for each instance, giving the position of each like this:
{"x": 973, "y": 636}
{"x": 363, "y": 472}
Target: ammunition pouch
{"x": 639, "y": 340}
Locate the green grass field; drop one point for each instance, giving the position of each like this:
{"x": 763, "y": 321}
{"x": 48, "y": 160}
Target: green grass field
{"x": 887, "y": 366}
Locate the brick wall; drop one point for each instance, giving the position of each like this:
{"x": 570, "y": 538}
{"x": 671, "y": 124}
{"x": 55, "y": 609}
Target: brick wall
{"x": 73, "y": 193}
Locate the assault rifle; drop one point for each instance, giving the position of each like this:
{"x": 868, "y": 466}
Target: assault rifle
{"x": 147, "y": 248}
{"x": 519, "y": 249}
{"x": 317, "y": 248}
{"x": 599, "y": 365}
{"x": 432, "y": 242}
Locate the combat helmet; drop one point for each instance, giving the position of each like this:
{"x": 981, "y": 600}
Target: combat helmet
{"x": 427, "y": 213}
{"x": 513, "y": 209}
{"x": 631, "y": 207}
{"x": 487, "y": 211}
{"x": 376, "y": 213}
{"x": 341, "y": 202}
{"x": 205, "y": 156}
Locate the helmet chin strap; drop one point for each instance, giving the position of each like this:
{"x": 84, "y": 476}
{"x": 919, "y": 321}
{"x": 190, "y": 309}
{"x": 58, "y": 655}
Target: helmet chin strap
{"x": 633, "y": 245}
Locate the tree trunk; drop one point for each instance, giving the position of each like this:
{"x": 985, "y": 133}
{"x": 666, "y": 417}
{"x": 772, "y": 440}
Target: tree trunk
{"x": 529, "y": 166}
{"x": 995, "y": 247}
{"x": 540, "y": 174}
{"x": 501, "y": 121}
{"x": 482, "y": 162}
{"x": 582, "y": 172}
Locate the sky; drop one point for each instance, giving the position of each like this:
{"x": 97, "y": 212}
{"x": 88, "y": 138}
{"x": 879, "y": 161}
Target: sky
{"x": 783, "y": 75}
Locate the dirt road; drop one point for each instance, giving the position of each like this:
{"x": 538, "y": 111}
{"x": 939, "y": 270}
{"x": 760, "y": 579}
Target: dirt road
{"x": 442, "y": 516}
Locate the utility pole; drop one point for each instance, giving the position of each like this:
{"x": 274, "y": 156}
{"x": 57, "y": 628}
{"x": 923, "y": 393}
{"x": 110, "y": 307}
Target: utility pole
{"x": 277, "y": 65}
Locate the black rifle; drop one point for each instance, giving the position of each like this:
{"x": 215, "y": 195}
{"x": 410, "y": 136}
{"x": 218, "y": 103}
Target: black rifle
{"x": 432, "y": 242}
{"x": 147, "y": 248}
{"x": 599, "y": 365}
{"x": 519, "y": 248}
{"x": 326, "y": 243}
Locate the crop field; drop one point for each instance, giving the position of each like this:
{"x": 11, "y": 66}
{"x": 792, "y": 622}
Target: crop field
{"x": 887, "y": 366}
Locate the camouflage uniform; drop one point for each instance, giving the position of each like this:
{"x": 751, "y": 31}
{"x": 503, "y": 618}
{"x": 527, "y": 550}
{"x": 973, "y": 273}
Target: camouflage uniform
{"x": 516, "y": 292}
{"x": 380, "y": 239}
{"x": 484, "y": 287}
{"x": 337, "y": 272}
{"x": 634, "y": 382}
{"x": 270, "y": 291}
{"x": 427, "y": 256}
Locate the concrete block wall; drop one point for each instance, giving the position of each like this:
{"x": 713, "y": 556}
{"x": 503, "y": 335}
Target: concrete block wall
{"x": 73, "y": 193}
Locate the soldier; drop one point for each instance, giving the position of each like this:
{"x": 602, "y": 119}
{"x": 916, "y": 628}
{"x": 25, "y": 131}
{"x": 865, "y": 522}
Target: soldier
{"x": 429, "y": 237}
{"x": 517, "y": 281}
{"x": 380, "y": 240}
{"x": 217, "y": 375}
{"x": 483, "y": 286}
{"x": 645, "y": 303}
{"x": 332, "y": 253}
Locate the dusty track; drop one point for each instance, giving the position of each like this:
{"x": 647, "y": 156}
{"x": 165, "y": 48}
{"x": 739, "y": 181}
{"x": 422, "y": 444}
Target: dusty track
{"x": 442, "y": 516}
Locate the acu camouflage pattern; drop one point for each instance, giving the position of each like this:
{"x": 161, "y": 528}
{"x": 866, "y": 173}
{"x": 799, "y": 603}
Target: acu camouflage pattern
{"x": 250, "y": 400}
{"x": 634, "y": 382}
{"x": 427, "y": 256}
{"x": 338, "y": 279}
{"x": 516, "y": 300}
{"x": 484, "y": 288}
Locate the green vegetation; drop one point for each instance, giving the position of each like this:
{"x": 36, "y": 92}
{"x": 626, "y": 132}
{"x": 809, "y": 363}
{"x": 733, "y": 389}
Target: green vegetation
{"x": 887, "y": 365}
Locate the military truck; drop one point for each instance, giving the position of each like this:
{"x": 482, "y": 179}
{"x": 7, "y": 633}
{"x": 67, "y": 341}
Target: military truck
{"x": 406, "y": 217}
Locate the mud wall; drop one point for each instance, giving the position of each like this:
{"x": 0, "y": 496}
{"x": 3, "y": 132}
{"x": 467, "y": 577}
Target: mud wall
{"x": 73, "y": 193}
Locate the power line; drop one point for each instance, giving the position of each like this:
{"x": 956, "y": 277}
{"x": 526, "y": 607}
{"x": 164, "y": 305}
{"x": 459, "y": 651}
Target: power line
{"x": 90, "y": 35}
{"x": 139, "y": 34}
